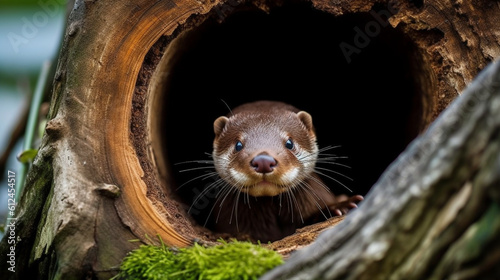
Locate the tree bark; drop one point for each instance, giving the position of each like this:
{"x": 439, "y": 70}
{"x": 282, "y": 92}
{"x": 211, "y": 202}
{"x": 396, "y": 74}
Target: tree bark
{"x": 100, "y": 178}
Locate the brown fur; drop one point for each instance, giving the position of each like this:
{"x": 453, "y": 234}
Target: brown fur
{"x": 268, "y": 205}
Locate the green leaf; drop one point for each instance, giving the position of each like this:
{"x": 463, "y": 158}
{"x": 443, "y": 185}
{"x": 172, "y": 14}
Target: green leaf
{"x": 27, "y": 156}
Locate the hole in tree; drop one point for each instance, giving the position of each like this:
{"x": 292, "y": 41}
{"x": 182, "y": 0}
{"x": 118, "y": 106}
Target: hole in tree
{"x": 417, "y": 3}
{"x": 371, "y": 96}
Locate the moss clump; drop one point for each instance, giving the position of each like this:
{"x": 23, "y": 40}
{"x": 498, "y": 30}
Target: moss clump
{"x": 234, "y": 260}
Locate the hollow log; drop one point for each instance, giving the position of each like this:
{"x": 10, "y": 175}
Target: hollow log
{"x": 139, "y": 83}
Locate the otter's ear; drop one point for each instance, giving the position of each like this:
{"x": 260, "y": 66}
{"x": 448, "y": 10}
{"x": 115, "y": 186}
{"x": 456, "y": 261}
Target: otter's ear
{"x": 306, "y": 119}
{"x": 219, "y": 125}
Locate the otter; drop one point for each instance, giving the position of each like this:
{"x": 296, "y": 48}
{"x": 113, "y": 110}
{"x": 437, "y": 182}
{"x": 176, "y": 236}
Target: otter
{"x": 265, "y": 155}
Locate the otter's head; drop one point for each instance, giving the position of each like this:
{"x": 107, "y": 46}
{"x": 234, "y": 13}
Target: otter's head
{"x": 265, "y": 153}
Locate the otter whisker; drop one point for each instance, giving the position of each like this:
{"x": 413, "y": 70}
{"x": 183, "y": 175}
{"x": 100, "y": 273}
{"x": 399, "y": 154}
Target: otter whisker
{"x": 223, "y": 194}
{"x": 280, "y": 203}
{"x": 208, "y": 154}
{"x": 297, "y": 206}
{"x": 205, "y": 191}
{"x": 235, "y": 209}
{"x": 202, "y": 177}
{"x": 330, "y": 158}
{"x": 319, "y": 153}
{"x": 334, "y": 163}
{"x": 310, "y": 191}
{"x": 232, "y": 189}
{"x": 205, "y": 161}
{"x": 247, "y": 197}
{"x": 331, "y": 155}
{"x": 197, "y": 168}
{"x": 326, "y": 148}
{"x": 229, "y": 191}
{"x": 330, "y": 177}
{"x": 290, "y": 204}
{"x": 319, "y": 182}
{"x": 324, "y": 159}
{"x": 221, "y": 158}
{"x": 224, "y": 191}
{"x": 333, "y": 171}
{"x": 321, "y": 150}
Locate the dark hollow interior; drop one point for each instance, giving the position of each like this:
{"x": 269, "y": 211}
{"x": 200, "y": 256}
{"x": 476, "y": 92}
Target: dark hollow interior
{"x": 370, "y": 106}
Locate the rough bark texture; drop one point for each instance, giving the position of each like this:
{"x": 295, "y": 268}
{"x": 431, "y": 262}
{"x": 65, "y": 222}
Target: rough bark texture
{"x": 93, "y": 188}
{"x": 433, "y": 214}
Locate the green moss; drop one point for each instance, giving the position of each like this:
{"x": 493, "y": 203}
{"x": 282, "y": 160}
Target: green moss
{"x": 234, "y": 260}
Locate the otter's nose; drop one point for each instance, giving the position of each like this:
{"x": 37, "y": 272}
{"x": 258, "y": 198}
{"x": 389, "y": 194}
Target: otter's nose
{"x": 263, "y": 163}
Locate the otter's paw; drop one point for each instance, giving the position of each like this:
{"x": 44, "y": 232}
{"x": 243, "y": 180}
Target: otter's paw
{"x": 344, "y": 204}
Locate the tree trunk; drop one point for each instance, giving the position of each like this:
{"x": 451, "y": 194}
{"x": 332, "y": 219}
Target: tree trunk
{"x": 139, "y": 83}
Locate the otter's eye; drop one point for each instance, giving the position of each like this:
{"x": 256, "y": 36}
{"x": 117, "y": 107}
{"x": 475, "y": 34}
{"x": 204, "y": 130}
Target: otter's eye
{"x": 239, "y": 146}
{"x": 289, "y": 144}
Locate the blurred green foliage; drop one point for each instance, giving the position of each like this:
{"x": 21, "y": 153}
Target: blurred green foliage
{"x": 29, "y": 3}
